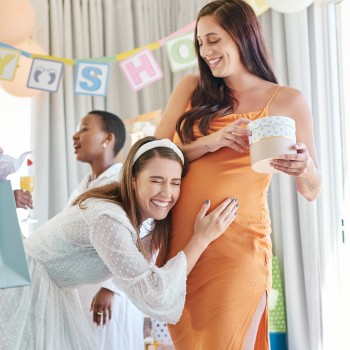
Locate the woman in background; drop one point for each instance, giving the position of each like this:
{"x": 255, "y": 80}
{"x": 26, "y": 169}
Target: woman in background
{"x": 98, "y": 141}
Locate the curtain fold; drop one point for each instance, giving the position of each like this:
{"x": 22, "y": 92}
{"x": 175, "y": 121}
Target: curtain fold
{"x": 306, "y": 235}
{"x": 287, "y": 37}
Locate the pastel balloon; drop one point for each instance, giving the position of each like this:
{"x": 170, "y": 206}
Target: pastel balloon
{"x": 289, "y": 6}
{"x": 17, "y": 21}
{"x": 18, "y": 86}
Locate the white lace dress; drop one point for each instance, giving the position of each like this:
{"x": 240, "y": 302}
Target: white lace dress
{"x": 125, "y": 329}
{"x": 79, "y": 247}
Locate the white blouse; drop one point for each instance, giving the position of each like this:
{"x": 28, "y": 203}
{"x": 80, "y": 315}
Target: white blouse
{"x": 87, "y": 246}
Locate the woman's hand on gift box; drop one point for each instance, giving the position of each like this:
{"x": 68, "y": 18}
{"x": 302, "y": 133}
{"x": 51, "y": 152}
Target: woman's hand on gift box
{"x": 23, "y": 199}
{"x": 293, "y": 164}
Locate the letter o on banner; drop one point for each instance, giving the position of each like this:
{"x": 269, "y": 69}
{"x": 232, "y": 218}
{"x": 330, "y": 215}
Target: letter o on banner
{"x": 17, "y": 21}
{"x": 289, "y": 6}
{"x": 18, "y": 86}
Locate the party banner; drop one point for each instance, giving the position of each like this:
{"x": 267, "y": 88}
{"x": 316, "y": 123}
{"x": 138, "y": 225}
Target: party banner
{"x": 45, "y": 75}
{"x": 259, "y": 6}
{"x": 139, "y": 66}
{"x": 141, "y": 69}
{"x": 8, "y": 63}
{"x": 181, "y": 53}
{"x": 91, "y": 78}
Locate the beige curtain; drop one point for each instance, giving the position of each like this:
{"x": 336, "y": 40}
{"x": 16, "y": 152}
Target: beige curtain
{"x": 306, "y": 235}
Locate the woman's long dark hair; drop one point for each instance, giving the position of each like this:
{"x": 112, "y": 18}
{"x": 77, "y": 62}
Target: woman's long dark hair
{"x": 212, "y": 98}
{"x": 122, "y": 193}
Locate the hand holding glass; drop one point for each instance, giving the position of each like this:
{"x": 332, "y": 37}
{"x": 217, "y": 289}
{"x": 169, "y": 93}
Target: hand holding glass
{"x": 27, "y": 184}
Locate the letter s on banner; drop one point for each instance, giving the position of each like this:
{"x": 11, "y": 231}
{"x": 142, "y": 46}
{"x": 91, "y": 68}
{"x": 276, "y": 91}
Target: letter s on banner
{"x": 91, "y": 78}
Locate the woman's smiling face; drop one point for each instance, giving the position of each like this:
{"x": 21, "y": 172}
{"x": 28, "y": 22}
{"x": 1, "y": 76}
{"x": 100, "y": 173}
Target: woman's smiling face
{"x": 157, "y": 187}
{"x": 217, "y": 48}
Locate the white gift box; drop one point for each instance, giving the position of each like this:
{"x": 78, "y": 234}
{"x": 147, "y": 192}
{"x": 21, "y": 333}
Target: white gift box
{"x": 271, "y": 137}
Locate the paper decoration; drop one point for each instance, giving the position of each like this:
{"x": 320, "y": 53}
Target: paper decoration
{"x": 181, "y": 52}
{"x": 91, "y": 78}
{"x": 45, "y": 75}
{"x": 18, "y": 86}
{"x": 138, "y": 65}
{"x": 141, "y": 70}
{"x": 8, "y": 63}
{"x": 188, "y": 28}
{"x": 138, "y": 127}
{"x": 259, "y": 6}
{"x": 290, "y": 6}
{"x": 277, "y": 315}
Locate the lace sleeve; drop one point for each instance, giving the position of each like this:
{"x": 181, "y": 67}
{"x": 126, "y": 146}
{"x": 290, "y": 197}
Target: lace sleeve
{"x": 158, "y": 292}
{"x": 110, "y": 286}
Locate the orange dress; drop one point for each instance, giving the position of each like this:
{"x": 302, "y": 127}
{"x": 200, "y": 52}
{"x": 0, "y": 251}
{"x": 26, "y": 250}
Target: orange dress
{"x": 228, "y": 281}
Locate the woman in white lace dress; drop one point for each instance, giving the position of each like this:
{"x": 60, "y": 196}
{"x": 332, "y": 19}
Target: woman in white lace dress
{"x": 98, "y": 238}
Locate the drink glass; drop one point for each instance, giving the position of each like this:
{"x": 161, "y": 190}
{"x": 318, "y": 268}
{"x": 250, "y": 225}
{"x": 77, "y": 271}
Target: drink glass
{"x": 27, "y": 184}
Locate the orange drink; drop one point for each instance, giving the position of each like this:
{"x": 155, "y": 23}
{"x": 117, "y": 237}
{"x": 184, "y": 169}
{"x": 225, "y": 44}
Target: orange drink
{"x": 27, "y": 183}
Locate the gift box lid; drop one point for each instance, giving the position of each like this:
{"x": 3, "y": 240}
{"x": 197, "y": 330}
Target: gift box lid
{"x": 271, "y": 121}
{"x": 273, "y": 126}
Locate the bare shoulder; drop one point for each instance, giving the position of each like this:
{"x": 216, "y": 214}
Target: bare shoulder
{"x": 290, "y": 102}
{"x": 184, "y": 89}
{"x": 188, "y": 82}
{"x": 176, "y": 106}
{"x": 291, "y": 94}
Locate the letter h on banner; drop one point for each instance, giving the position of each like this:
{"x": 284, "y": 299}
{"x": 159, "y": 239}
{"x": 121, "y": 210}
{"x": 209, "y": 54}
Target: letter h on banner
{"x": 141, "y": 69}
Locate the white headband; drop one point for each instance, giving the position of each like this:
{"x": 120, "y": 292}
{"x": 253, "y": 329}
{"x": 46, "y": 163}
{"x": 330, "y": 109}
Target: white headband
{"x": 158, "y": 143}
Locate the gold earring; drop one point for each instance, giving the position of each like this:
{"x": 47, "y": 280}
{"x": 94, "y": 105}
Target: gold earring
{"x": 104, "y": 145}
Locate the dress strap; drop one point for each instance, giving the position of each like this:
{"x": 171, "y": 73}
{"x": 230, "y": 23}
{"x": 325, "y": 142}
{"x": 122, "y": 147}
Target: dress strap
{"x": 273, "y": 96}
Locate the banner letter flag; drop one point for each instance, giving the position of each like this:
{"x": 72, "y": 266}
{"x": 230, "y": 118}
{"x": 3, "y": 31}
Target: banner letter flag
{"x": 45, "y": 75}
{"x": 91, "y": 78}
{"x": 141, "y": 69}
{"x": 8, "y": 63}
{"x": 181, "y": 52}
{"x": 259, "y": 6}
